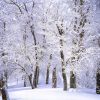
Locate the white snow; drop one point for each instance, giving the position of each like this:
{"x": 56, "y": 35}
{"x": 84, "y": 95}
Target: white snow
{"x": 52, "y": 94}
{"x": 0, "y": 98}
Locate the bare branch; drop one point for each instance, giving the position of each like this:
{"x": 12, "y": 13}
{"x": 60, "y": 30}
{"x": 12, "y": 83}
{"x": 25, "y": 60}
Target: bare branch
{"x": 33, "y": 4}
{"x": 25, "y": 7}
{"x": 14, "y": 3}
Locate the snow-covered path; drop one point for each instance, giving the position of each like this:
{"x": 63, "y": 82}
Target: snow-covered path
{"x": 52, "y": 94}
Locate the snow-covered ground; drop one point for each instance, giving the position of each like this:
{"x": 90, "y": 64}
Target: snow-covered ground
{"x": 52, "y": 94}
{"x": 0, "y": 98}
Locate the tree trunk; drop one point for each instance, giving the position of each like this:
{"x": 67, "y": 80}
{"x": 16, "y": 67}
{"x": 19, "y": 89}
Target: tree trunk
{"x": 72, "y": 80}
{"x": 98, "y": 81}
{"x": 47, "y": 75}
{"x": 63, "y": 71}
{"x": 2, "y": 83}
{"x": 36, "y": 74}
{"x": 24, "y": 82}
{"x": 4, "y": 95}
{"x": 30, "y": 80}
{"x": 36, "y": 77}
{"x": 54, "y": 78}
{"x": 61, "y": 33}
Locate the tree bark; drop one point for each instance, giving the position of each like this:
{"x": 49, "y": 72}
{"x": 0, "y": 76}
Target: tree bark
{"x": 47, "y": 75}
{"x": 61, "y": 33}
{"x": 98, "y": 81}
{"x": 36, "y": 74}
{"x": 72, "y": 80}
{"x": 4, "y": 95}
{"x": 36, "y": 77}
{"x": 30, "y": 80}
{"x": 63, "y": 71}
{"x": 24, "y": 82}
{"x": 54, "y": 78}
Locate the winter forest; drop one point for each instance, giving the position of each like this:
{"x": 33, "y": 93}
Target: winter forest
{"x": 49, "y": 45}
